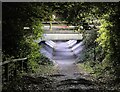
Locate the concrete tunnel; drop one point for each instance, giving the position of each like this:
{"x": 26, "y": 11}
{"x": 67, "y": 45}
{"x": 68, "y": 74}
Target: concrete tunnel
{"x": 62, "y": 52}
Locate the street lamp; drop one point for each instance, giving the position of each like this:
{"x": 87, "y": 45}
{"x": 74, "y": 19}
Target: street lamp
{"x": 52, "y": 19}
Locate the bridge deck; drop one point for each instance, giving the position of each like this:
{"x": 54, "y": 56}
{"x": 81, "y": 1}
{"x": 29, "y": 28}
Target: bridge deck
{"x": 60, "y": 33}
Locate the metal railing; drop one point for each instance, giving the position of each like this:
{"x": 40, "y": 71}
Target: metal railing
{"x": 18, "y": 64}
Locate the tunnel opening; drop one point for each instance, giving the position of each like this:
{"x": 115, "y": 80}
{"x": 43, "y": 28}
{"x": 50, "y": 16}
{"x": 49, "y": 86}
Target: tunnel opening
{"x": 61, "y": 51}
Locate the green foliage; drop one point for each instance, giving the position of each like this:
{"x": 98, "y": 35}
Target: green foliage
{"x": 86, "y": 66}
{"x": 45, "y": 61}
{"x": 101, "y": 46}
{"x": 37, "y": 29}
{"x": 104, "y": 44}
{"x": 104, "y": 35}
{"x": 17, "y": 41}
{"x": 34, "y": 54}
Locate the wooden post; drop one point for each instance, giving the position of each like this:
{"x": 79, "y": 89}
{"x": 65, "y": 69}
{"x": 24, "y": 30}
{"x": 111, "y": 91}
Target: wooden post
{"x": 22, "y": 66}
{"x": 94, "y": 52}
{"x": 5, "y": 64}
{"x": 15, "y": 71}
{"x": 7, "y": 72}
{"x": 25, "y": 65}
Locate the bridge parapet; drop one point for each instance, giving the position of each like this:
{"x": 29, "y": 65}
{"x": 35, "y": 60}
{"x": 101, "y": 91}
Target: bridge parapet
{"x": 62, "y": 37}
{"x": 47, "y": 37}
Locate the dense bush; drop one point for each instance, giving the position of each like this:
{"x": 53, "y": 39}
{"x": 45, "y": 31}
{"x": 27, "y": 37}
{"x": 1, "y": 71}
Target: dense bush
{"x": 102, "y": 46}
{"x": 17, "y": 41}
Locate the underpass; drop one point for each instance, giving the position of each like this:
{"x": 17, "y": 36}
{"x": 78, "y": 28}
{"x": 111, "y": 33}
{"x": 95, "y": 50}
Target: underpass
{"x": 62, "y": 44}
{"x": 62, "y": 52}
{"x": 64, "y": 48}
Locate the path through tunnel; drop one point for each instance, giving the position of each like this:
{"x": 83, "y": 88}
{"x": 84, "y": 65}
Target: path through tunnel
{"x": 62, "y": 52}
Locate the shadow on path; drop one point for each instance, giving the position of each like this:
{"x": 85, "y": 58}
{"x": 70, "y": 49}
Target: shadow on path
{"x": 54, "y": 83}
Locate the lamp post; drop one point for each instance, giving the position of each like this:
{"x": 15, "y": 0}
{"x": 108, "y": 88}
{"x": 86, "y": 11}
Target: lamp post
{"x": 51, "y": 19}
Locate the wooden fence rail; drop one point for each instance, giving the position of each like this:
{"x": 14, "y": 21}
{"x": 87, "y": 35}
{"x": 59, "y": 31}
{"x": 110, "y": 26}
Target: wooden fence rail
{"x": 22, "y": 63}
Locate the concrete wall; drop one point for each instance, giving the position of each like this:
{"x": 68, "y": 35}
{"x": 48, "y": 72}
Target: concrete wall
{"x": 62, "y": 37}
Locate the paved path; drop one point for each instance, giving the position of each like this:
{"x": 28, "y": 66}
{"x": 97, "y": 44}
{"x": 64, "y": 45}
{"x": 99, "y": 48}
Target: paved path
{"x": 63, "y": 55}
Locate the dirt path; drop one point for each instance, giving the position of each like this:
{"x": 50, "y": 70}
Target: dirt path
{"x": 67, "y": 78}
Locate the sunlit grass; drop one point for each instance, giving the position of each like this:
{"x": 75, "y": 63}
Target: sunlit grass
{"x": 46, "y": 70}
{"x": 86, "y": 68}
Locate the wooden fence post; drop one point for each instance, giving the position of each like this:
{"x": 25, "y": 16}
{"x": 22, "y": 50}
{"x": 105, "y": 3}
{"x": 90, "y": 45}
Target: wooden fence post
{"x": 7, "y": 72}
{"x": 26, "y": 65}
{"x": 94, "y": 58}
{"x": 15, "y": 71}
{"x": 22, "y": 66}
{"x": 5, "y": 64}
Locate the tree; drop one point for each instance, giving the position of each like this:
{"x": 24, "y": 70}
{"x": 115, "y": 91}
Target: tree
{"x": 17, "y": 41}
{"x": 107, "y": 38}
